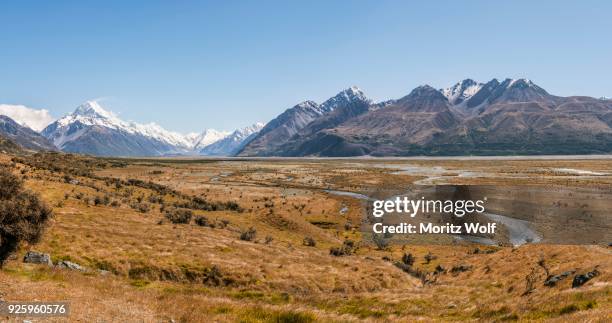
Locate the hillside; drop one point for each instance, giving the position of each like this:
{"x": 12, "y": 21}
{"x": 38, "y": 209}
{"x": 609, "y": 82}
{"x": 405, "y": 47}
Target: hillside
{"x": 110, "y": 219}
{"x": 23, "y": 136}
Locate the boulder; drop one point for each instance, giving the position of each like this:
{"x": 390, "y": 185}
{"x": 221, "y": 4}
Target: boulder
{"x": 580, "y": 280}
{"x": 553, "y": 280}
{"x": 70, "y": 265}
{"x": 35, "y": 257}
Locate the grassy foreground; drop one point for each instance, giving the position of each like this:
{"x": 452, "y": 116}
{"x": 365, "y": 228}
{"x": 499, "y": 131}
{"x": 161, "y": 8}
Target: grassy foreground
{"x": 245, "y": 254}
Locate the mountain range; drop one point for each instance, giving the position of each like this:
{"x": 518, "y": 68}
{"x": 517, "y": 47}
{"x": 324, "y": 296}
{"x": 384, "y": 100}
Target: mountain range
{"x": 508, "y": 117}
{"x": 511, "y": 117}
{"x": 91, "y": 129}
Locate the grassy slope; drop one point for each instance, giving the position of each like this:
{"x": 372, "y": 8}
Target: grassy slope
{"x": 157, "y": 269}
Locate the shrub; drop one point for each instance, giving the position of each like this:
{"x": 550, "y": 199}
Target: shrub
{"x": 429, "y": 257}
{"x": 223, "y": 223}
{"x": 248, "y": 235}
{"x": 408, "y": 259}
{"x": 155, "y": 199}
{"x": 179, "y": 216}
{"x": 101, "y": 200}
{"x": 141, "y": 207}
{"x": 201, "y": 221}
{"x": 347, "y": 249}
{"x": 348, "y": 226}
{"x": 380, "y": 241}
{"x": 309, "y": 242}
{"x": 22, "y": 214}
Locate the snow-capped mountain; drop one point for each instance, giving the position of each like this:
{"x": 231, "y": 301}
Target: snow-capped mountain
{"x": 461, "y": 91}
{"x": 208, "y": 136}
{"x": 352, "y": 94}
{"x": 93, "y": 130}
{"x": 233, "y": 143}
{"x": 289, "y": 123}
{"x": 507, "y": 117}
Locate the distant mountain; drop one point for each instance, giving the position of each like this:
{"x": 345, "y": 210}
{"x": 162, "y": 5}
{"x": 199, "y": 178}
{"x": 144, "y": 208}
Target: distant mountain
{"x": 231, "y": 144}
{"x": 92, "y": 130}
{"x": 23, "y": 136}
{"x": 292, "y": 122}
{"x": 461, "y": 91}
{"x": 514, "y": 116}
{"x": 206, "y": 138}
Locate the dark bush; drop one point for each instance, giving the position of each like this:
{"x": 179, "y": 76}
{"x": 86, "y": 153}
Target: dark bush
{"x": 429, "y": 257}
{"x": 223, "y": 223}
{"x": 201, "y": 221}
{"x": 141, "y": 207}
{"x": 22, "y": 214}
{"x": 179, "y": 216}
{"x": 347, "y": 249}
{"x": 101, "y": 200}
{"x": 155, "y": 199}
{"x": 198, "y": 203}
{"x": 309, "y": 242}
{"x": 408, "y": 259}
{"x": 248, "y": 235}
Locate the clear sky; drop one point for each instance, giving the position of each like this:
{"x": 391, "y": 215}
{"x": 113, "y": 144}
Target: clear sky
{"x": 226, "y": 64}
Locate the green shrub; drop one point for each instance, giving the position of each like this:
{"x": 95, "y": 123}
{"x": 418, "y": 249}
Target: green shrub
{"x": 179, "y": 216}
{"x": 23, "y": 215}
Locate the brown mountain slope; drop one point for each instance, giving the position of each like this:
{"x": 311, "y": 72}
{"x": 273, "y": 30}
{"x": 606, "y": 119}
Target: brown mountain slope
{"x": 502, "y": 118}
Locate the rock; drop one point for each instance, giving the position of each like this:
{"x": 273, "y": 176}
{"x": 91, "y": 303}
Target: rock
{"x": 70, "y": 265}
{"x": 580, "y": 280}
{"x": 103, "y": 272}
{"x": 35, "y": 257}
{"x": 553, "y": 280}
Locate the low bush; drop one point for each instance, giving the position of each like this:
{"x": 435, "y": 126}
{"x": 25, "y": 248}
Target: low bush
{"x": 23, "y": 215}
{"x": 201, "y": 221}
{"x": 141, "y": 207}
{"x": 248, "y": 235}
{"x": 347, "y": 249}
{"x": 309, "y": 242}
{"x": 179, "y": 216}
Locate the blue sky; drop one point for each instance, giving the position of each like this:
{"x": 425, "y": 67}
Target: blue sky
{"x": 226, "y": 64}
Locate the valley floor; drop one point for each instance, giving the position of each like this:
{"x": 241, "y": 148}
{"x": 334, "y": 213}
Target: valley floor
{"x": 254, "y": 261}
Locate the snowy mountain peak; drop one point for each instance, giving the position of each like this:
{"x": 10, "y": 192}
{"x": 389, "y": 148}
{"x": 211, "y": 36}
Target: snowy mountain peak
{"x": 207, "y": 137}
{"x": 91, "y": 114}
{"x": 248, "y": 130}
{"x": 461, "y": 91}
{"x": 93, "y": 109}
{"x": 350, "y": 95}
{"x": 307, "y": 104}
{"x": 233, "y": 143}
{"x": 519, "y": 83}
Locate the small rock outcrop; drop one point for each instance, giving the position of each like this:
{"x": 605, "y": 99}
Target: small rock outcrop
{"x": 580, "y": 280}
{"x": 65, "y": 264}
{"x": 35, "y": 257}
{"x": 553, "y": 280}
